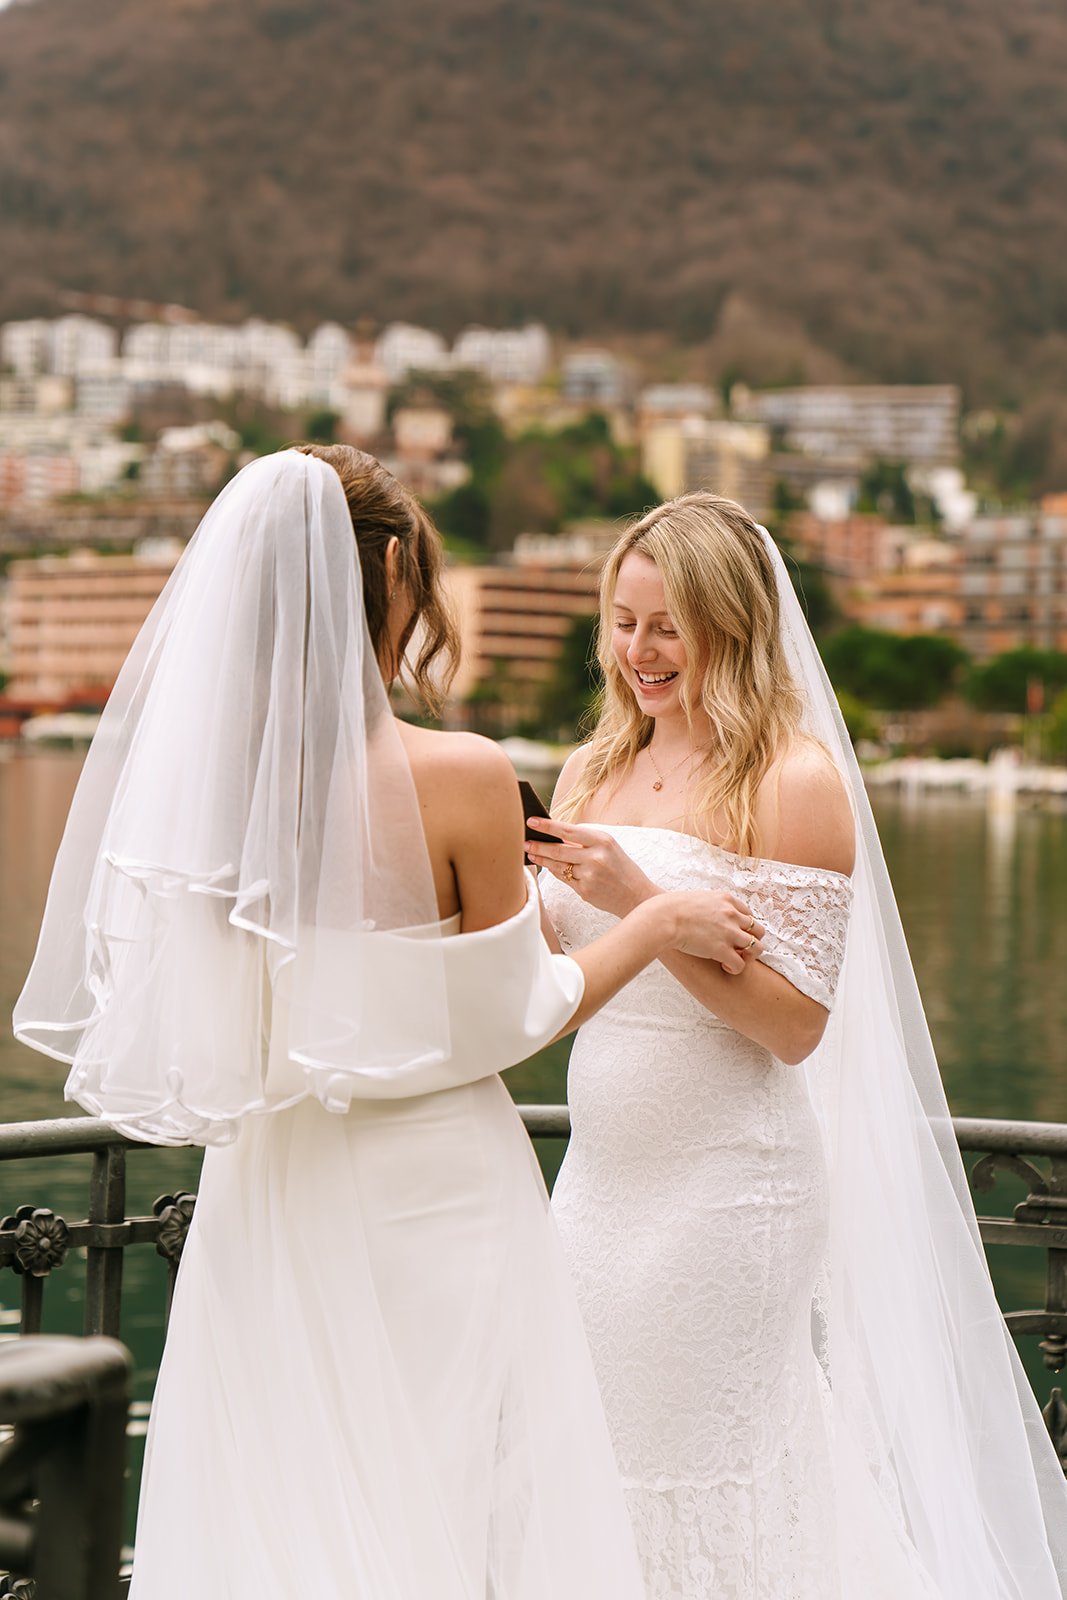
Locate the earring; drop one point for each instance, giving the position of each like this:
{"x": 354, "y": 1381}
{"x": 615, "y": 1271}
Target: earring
{"x": 393, "y": 595}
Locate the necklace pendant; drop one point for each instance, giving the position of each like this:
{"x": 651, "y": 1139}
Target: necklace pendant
{"x": 658, "y": 784}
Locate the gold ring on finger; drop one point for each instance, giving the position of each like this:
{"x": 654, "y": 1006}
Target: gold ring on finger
{"x": 749, "y": 945}
{"x": 568, "y": 872}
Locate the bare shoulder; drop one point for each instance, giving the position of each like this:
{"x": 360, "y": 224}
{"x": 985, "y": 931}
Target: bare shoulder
{"x": 804, "y": 811}
{"x": 463, "y": 761}
{"x": 573, "y": 768}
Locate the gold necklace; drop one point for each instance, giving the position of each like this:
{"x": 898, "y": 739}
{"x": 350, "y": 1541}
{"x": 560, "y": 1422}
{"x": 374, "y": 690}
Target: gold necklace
{"x": 659, "y": 775}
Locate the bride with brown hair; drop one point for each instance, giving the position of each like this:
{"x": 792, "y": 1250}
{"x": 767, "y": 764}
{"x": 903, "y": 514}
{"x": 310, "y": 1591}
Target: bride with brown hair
{"x": 809, "y": 1388}
{"x": 288, "y": 927}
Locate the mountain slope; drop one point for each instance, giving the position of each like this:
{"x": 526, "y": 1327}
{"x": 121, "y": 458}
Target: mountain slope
{"x": 890, "y": 177}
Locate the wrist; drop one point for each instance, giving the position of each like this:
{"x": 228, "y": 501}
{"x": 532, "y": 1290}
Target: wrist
{"x": 660, "y": 911}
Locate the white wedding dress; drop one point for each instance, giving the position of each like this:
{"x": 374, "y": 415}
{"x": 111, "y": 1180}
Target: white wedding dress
{"x": 376, "y": 1385}
{"x": 692, "y": 1206}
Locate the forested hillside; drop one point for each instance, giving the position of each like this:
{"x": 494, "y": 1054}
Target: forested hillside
{"x": 884, "y": 180}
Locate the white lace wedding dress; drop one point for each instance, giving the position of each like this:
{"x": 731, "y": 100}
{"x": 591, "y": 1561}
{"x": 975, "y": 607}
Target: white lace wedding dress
{"x": 692, "y": 1206}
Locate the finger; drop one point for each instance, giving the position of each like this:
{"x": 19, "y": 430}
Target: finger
{"x": 571, "y": 832}
{"x": 732, "y": 966}
{"x": 561, "y": 853}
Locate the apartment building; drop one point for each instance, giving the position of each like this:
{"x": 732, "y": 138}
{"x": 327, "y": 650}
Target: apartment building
{"x": 72, "y": 619}
{"x": 1013, "y": 582}
{"x": 693, "y": 452}
{"x": 513, "y": 618}
{"x": 853, "y": 424}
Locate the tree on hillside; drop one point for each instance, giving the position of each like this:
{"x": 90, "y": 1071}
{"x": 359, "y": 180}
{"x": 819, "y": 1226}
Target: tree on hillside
{"x": 1002, "y": 684}
{"x": 550, "y": 479}
{"x": 891, "y": 672}
{"x": 571, "y": 693}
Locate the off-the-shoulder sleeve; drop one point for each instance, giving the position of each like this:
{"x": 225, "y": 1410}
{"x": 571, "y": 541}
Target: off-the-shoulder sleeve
{"x": 806, "y": 913}
{"x": 507, "y": 996}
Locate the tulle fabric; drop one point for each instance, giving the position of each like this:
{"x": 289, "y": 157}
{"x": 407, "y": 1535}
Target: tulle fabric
{"x": 245, "y": 829}
{"x": 932, "y": 1412}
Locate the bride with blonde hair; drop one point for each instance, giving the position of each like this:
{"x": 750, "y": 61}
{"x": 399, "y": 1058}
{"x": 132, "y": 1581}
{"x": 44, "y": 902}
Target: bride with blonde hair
{"x": 810, "y": 1390}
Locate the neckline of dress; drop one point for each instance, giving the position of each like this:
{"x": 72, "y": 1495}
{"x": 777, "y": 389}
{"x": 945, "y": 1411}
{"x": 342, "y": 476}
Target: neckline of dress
{"x": 720, "y": 850}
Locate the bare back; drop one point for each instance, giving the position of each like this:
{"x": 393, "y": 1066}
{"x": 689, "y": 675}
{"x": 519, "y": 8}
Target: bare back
{"x": 472, "y": 819}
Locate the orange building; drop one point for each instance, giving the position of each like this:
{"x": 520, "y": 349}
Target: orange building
{"x": 857, "y": 546}
{"x": 513, "y": 618}
{"x": 916, "y": 599}
{"x": 72, "y": 619}
{"x": 1014, "y": 583}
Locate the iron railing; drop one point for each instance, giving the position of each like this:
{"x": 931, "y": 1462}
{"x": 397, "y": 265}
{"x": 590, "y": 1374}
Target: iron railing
{"x": 35, "y": 1242}
{"x": 63, "y": 1405}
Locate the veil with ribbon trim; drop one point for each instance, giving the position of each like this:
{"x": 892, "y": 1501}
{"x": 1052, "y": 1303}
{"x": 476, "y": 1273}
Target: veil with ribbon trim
{"x": 244, "y": 823}
{"x": 932, "y": 1410}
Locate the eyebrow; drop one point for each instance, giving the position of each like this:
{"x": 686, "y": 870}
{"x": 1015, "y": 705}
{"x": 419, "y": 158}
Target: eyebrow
{"x": 630, "y": 612}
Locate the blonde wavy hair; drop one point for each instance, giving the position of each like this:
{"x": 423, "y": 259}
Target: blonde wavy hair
{"x": 722, "y": 595}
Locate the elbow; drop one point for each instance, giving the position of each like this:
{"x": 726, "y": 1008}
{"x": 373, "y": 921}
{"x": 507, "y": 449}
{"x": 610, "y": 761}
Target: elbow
{"x": 802, "y": 1036}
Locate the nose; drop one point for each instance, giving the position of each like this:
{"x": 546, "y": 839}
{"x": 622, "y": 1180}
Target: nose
{"x": 641, "y": 647}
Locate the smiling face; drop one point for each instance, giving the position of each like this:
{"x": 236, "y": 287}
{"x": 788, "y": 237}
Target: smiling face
{"x": 649, "y": 653}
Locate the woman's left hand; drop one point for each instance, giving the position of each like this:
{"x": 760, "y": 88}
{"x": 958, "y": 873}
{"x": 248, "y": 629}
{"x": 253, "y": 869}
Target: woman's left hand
{"x": 593, "y": 863}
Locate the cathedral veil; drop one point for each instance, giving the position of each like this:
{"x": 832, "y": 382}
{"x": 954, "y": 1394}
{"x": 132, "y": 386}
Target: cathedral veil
{"x": 245, "y": 832}
{"x": 932, "y": 1413}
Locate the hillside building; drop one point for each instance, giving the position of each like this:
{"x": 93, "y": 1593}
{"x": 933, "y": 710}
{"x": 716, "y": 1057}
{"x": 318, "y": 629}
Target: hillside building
{"x": 691, "y": 452}
{"x": 505, "y": 355}
{"x": 920, "y": 595}
{"x": 851, "y": 546}
{"x": 1013, "y": 578}
{"x": 514, "y": 618}
{"x": 72, "y": 619}
{"x": 853, "y": 425}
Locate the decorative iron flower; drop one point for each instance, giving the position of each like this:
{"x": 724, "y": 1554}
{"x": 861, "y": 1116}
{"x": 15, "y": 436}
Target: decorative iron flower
{"x": 175, "y": 1213}
{"x": 17, "y": 1588}
{"x": 42, "y": 1240}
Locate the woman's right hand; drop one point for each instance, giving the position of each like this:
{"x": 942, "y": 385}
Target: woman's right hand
{"x": 716, "y": 925}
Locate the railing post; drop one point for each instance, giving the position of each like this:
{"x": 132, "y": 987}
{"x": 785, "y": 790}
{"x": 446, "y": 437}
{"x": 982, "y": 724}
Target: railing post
{"x": 1054, "y": 1345}
{"x": 103, "y": 1278}
{"x": 61, "y": 1472}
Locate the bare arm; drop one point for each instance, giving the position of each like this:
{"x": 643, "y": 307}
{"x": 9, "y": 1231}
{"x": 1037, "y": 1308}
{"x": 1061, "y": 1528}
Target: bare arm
{"x": 661, "y": 926}
{"x": 806, "y": 819}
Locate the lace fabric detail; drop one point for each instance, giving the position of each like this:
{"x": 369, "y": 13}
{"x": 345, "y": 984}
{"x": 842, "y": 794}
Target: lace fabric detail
{"x": 692, "y": 1205}
{"x": 804, "y": 909}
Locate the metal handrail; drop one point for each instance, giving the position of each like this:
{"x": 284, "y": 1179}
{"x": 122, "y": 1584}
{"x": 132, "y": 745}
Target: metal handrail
{"x": 34, "y": 1241}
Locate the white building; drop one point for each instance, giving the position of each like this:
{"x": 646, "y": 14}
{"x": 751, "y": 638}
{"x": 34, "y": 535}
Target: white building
{"x": 917, "y": 424}
{"x": 66, "y": 347}
{"x": 329, "y": 353}
{"x": 26, "y": 347}
{"x": 662, "y": 400}
{"x": 509, "y": 355}
{"x": 80, "y": 343}
{"x": 593, "y": 376}
{"x": 403, "y": 348}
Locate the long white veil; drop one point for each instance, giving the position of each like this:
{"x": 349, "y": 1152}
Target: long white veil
{"x": 245, "y": 832}
{"x": 932, "y": 1412}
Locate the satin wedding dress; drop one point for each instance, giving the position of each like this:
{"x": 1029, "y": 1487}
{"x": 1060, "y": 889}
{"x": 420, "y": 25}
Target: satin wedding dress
{"x": 376, "y": 1381}
{"x": 692, "y": 1205}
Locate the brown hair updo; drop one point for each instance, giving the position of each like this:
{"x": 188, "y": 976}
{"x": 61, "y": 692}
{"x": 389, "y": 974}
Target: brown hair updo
{"x": 382, "y": 509}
